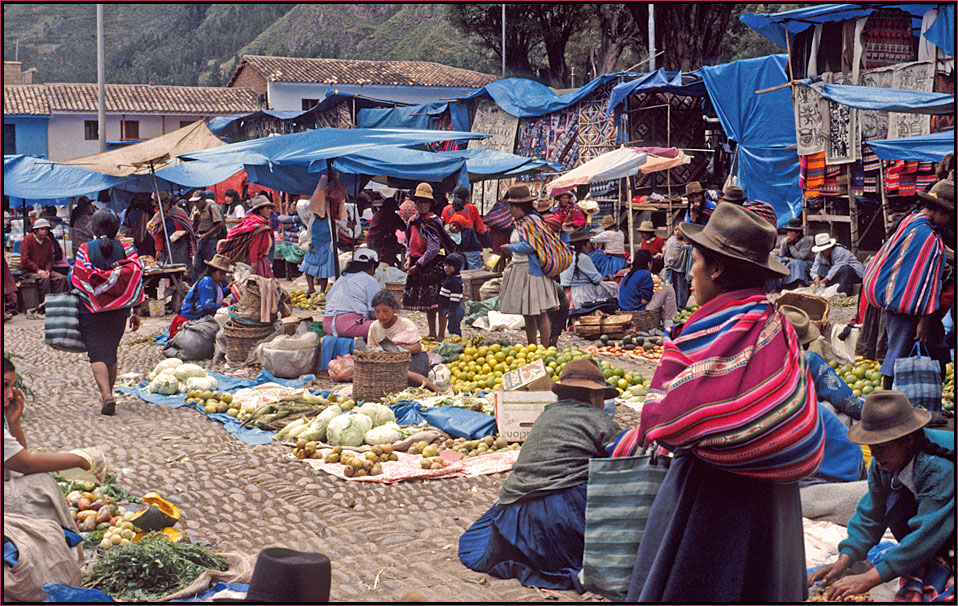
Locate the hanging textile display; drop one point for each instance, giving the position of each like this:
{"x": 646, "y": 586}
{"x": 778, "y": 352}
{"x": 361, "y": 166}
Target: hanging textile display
{"x": 812, "y": 174}
{"x": 551, "y": 137}
{"x": 874, "y": 123}
{"x": 843, "y": 145}
{"x": 811, "y": 119}
{"x": 919, "y": 76}
{"x": 596, "y": 133}
{"x": 944, "y": 83}
{"x": 887, "y": 38}
{"x": 501, "y": 126}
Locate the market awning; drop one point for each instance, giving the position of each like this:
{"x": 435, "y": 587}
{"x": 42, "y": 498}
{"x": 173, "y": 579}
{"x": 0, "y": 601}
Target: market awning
{"x": 158, "y": 151}
{"x": 402, "y": 163}
{"x": 37, "y": 179}
{"x": 619, "y": 163}
{"x": 659, "y": 81}
{"x": 922, "y": 148}
{"x": 887, "y": 99}
{"x": 414, "y": 116}
{"x": 484, "y": 164}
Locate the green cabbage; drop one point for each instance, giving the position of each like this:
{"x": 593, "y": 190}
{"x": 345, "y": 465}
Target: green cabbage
{"x": 164, "y": 383}
{"x": 206, "y": 383}
{"x": 384, "y": 434}
{"x": 184, "y": 372}
{"x": 379, "y": 414}
{"x": 317, "y": 429}
{"x": 348, "y": 430}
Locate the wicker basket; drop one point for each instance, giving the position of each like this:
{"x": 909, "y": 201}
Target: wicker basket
{"x": 378, "y": 373}
{"x": 817, "y": 308}
{"x": 242, "y": 339}
{"x": 396, "y": 288}
{"x": 593, "y": 326}
{"x": 647, "y": 320}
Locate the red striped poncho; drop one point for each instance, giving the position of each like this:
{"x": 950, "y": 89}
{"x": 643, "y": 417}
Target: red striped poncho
{"x": 107, "y": 289}
{"x": 733, "y": 386}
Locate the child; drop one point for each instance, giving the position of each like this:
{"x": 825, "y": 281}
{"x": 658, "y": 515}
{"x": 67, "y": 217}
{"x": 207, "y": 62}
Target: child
{"x": 392, "y": 333}
{"x": 677, "y": 252}
{"x": 456, "y": 223}
{"x": 450, "y": 296}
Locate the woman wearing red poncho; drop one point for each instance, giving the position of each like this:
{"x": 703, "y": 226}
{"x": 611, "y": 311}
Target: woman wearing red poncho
{"x": 250, "y": 241}
{"x": 732, "y": 398}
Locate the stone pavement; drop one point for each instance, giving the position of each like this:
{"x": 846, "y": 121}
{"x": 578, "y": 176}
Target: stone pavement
{"x": 383, "y": 541}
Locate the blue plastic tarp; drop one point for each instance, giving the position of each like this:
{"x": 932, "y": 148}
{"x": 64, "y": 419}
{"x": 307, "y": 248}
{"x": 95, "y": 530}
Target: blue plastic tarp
{"x": 424, "y": 116}
{"x": 659, "y": 81}
{"x": 941, "y": 32}
{"x": 922, "y": 148}
{"x": 35, "y": 179}
{"x": 887, "y": 99}
{"x": 483, "y": 163}
{"x": 196, "y": 174}
{"x": 403, "y": 163}
{"x": 454, "y": 420}
{"x": 764, "y": 127}
{"x": 70, "y": 594}
{"x": 527, "y": 98}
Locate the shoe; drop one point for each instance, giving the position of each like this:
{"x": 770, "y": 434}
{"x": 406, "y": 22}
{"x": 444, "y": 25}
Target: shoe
{"x": 108, "y": 408}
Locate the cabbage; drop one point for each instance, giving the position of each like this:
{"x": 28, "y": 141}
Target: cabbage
{"x": 379, "y": 414}
{"x": 206, "y": 383}
{"x": 318, "y": 428}
{"x": 185, "y": 371}
{"x": 348, "y": 430}
{"x": 164, "y": 383}
{"x": 168, "y": 363}
{"x": 384, "y": 434}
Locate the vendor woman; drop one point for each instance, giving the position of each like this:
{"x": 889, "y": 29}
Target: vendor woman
{"x": 206, "y": 296}
{"x": 349, "y": 304}
{"x": 535, "y": 532}
{"x": 611, "y": 258}
{"x": 393, "y": 333}
{"x": 911, "y": 491}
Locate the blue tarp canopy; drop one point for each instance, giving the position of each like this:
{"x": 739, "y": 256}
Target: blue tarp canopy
{"x": 659, "y": 81}
{"x": 36, "y": 179}
{"x": 402, "y": 163}
{"x": 423, "y": 117}
{"x": 887, "y": 99}
{"x": 774, "y": 26}
{"x": 527, "y": 98}
{"x": 196, "y": 174}
{"x": 922, "y": 148}
{"x": 941, "y": 33}
{"x": 764, "y": 127}
{"x": 484, "y": 164}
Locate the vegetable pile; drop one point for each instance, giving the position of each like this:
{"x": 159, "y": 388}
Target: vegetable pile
{"x": 684, "y": 314}
{"x": 172, "y": 376}
{"x": 317, "y": 302}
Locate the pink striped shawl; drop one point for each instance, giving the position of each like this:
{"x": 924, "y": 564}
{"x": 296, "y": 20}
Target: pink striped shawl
{"x": 733, "y": 386}
{"x": 106, "y": 289}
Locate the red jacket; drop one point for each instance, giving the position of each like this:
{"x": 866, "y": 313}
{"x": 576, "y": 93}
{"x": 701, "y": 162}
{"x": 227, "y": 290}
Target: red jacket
{"x": 35, "y": 256}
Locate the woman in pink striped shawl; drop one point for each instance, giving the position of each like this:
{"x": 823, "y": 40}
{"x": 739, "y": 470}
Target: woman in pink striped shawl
{"x": 734, "y": 402}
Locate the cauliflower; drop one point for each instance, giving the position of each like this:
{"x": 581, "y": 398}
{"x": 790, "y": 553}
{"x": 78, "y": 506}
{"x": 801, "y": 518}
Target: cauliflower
{"x": 384, "y": 434}
{"x": 184, "y": 372}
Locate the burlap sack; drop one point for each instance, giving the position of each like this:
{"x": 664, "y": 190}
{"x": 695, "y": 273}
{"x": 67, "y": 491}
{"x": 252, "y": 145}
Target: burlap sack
{"x": 44, "y": 558}
{"x": 239, "y": 571}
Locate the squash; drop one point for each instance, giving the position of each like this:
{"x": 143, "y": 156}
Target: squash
{"x": 161, "y": 514}
{"x": 170, "y": 534}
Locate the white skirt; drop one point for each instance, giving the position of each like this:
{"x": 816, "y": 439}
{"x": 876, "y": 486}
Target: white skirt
{"x": 525, "y": 294}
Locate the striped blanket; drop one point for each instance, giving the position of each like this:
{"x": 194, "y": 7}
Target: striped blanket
{"x": 105, "y": 289}
{"x": 180, "y": 221}
{"x": 733, "y": 386}
{"x": 553, "y": 255}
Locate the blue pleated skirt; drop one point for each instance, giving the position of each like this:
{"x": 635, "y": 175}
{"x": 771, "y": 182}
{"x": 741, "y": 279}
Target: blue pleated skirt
{"x": 538, "y": 540}
{"x": 319, "y": 263}
{"x": 607, "y": 264}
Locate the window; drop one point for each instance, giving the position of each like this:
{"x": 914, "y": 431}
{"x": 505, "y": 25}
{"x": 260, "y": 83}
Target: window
{"x": 310, "y": 103}
{"x": 185, "y": 123}
{"x": 131, "y": 130}
{"x": 91, "y": 130}
{"x": 9, "y": 139}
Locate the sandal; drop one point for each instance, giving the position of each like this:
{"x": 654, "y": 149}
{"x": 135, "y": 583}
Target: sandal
{"x": 108, "y": 408}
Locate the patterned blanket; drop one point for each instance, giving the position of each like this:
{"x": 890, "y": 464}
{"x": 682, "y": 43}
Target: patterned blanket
{"x": 105, "y": 289}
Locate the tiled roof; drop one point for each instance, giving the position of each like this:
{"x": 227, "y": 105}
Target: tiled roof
{"x": 25, "y": 99}
{"x": 350, "y": 71}
{"x": 130, "y": 98}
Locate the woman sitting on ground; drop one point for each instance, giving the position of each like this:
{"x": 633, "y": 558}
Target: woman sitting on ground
{"x": 349, "y": 303}
{"x": 638, "y": 293}
{"x": 911, "y": 491}
{"x": 390, "y": 332}
{"x": 206, "y": 296}
{"x": 581, "y": 277}
{"x": 535, "y": 532}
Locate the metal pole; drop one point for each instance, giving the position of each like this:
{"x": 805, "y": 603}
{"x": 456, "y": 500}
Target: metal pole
{"x": 668, "y": 173}
{"x": 100, "y": 80}
{"x": 503, "y": 40}
{"x": 651, "y": 38}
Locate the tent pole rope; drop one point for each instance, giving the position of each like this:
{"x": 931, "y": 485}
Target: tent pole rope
{"x": 159, "y": 205}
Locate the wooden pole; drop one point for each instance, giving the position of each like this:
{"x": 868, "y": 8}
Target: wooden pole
{"x": 852, "y": 211}
{"x": 791, "y": 83}
{"x": 628, "y": 209}
{"x": 668, "y": 173}
{"x": 884, "y": 201}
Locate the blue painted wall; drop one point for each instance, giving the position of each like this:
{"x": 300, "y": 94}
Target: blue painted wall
{"x": 31, "y": 134}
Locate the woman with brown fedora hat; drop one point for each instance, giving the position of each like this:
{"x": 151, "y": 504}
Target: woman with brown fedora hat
{"x": 650, "y": 240}
{"x": 611, "y": 258}
{"x": 582, "y": 278}
{"x": 911, "y": 491}
{"x": 731, "y": 398}
{"x": 526, "y": 290}
{"x": 701, "y": 206}
{"x": 251, "y": 240}
{"x": 535, "y": 531}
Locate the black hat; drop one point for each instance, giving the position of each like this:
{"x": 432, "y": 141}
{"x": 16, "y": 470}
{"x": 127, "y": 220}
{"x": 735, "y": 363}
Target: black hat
{"x": 284, "y": 575}
{"x": 794, "y": 224}
{"x": 454, "y": 259}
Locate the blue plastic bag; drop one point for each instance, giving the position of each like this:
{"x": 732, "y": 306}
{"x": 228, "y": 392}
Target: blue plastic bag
{"x": 460, "y": 422}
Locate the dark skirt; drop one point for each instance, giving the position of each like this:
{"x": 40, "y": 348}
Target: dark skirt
{"x": 538, "y": 540}
{"x": 713, "y": 536}
{"x": 101, "y": 333}
{"x": 422, "y": 287}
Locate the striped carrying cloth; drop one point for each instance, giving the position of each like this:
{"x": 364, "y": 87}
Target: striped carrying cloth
{"x": 905, "y": 275}
{"x": 734, "y": 387}
{"x": 105, "y": 289}
{"x": 182, "y": 222}
{"x": 553, "y": 255}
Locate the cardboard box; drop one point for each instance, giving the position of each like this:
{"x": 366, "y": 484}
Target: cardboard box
{"x": 531, "y": 377}
{"x": 155, "y": 308}
{"x": 517, "y": 411}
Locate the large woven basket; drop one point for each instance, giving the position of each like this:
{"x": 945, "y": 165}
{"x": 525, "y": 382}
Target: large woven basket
{"x": 396, "y": 288}
{"x": 647, "y": 320}
{"x": 242, "y": 338}
{"x": 817, "y": 308}
{"x": 378, "y": 373}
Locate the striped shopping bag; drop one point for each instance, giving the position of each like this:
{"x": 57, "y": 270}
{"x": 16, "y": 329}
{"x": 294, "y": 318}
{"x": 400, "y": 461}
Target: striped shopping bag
{"x": 619, "y": 496}
{"x": 61, "y": 326}
{"x": 919, "y": 378}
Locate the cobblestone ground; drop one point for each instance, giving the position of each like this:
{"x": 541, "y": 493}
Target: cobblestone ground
{"x": 383, "y": 541}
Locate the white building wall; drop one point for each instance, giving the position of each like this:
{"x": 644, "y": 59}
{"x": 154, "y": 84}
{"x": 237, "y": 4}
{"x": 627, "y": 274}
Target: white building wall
{"x": 65, "y": 131}
{"x": 290, "y": 95}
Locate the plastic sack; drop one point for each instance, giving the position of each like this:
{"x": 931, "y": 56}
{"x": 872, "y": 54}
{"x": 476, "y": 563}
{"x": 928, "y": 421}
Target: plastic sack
{"x": 283, "y": 360}
{"x": 919, "y": 378}
{"x": 306, "y": 340}
{"x": 241, "y": 271}
{"x": 388, "y": 273}
{"x": 478, "y": 309}
{"x": 219, "y": 346}
{"x": 496, "y": 320}
{"x": 44, "y": 557}
{"x": 441, "y": 376}
{"x": 61, "y": 326}
{"x": 844, "y": 350}
{"x": 341, "y": 369}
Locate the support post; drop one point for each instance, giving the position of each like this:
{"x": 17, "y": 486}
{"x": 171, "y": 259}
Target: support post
{"x": 852, "y": 211}
{"x": 159, "y": 205}
{"x": 101, "y": 80}
{"x": 884, "y": 200}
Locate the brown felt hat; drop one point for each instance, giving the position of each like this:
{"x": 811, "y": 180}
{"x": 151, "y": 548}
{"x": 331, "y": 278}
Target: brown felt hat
{"x": 259, "y": 202}
{"x": 807, "y": 332}
{"x": 942, "y": 195}
{"x": 220, "y": 262}
{"x": 887, "y": 416}
{"x": 794, "y": 224}
{"x": 694, "y": 188}
{"x": 646, "y": 226}
{"x": 584, "y": 373}
{"x": 578, "y": 235}
{"x": 424, "y": 192}
{"x": 543, "y": 205}
{"x": 738, "y": 234}
{"x": 608, "y": 221}
{"x": 519, "y": 194}
{"x": 734, "y": 194}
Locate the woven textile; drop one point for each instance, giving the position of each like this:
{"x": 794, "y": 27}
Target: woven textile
{"x": 61, "y": 326}
{"x": 596, "y": 133}
{"x": 811, "y": 120}
{"x": 553, "y": 255}
{"x": 104, "y": 289}
{"x": 734, "y": 387}
{"x": 181, "y": 222}
{"x": 917, "y": 76}
{"x": 887, "y": 38}
{"x": 813, "y": 169}
{"x": 874, "y": 123}
{"x": 843, "y": 144}
{"x": 551, "y": 137}
{"x": 919, "y": 378}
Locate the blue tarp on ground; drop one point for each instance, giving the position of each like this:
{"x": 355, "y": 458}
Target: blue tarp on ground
{"x": 35, "y": 179}
{"x": 773, "y": 26}
{"x": 887, "y": 99}
{"x": 764, "y": 127}
{"x": 454, "y": 420}
{"x": 527, "y": 98}
{"x": 424, "y": 116}
{"x": 922, "y": 148}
